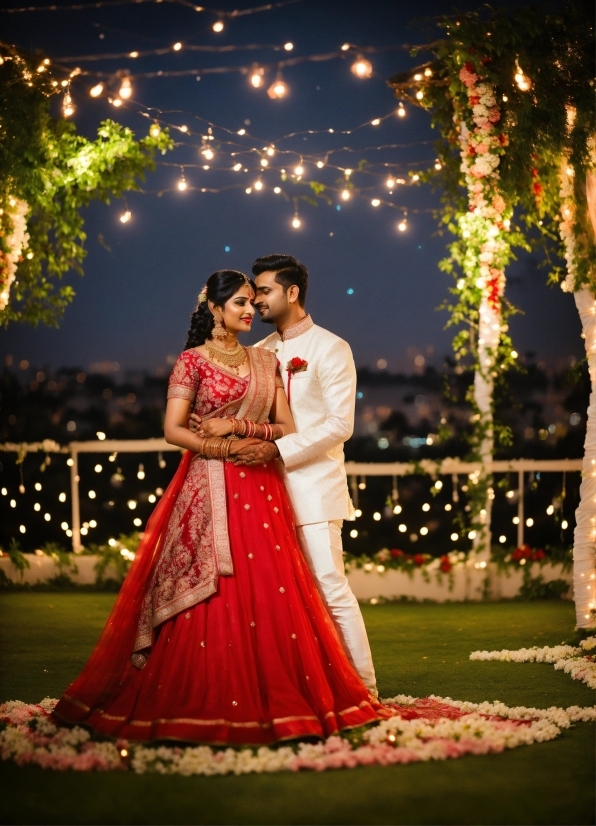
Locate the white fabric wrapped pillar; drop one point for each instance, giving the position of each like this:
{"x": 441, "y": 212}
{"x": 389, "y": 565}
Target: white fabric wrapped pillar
{"x": 584, "y": 538}
{"x": 488, "y": 341}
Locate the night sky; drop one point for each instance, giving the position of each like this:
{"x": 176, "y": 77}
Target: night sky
{"x": 133, "y": 304}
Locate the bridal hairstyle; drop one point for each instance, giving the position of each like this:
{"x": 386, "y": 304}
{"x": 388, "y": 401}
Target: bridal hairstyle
{"x": 288, "y": 271}
{"x": 221, "y": 286}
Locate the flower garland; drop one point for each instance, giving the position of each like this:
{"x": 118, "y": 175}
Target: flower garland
{"x": 573, "y": 660}
{"x": 432, "y": 728}
{"x": 14, "y": 238}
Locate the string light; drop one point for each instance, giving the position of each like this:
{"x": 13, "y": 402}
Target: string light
{"x": 126, "y": 216}
{"x": 256, "y": 77}
{"x": 390, "y": 183}
{"x": 401, "y": 112}
{"x": 362, "y": 68}
{"x": 116, "y": 102}
{"x": 288, "y": 46}
{"x": 125, "y": 90}
{"x": 296, "y": 222}
{"x": 299, "y": 170}
{"x": 68, "y": 107}
{"x": 375, "y": 202}
{"x": 523, "y": 81}
{"x": 345, "y": 195}
{"x": 208, "y": 154}
{"x": 177, "y": 46}
{"x": 258, "y": 184}
{"x": 403, "y": 224}
{"x": 182, "y": 185}
{"x": 96, "y": 90}
{"x": 155, "y": 130}
{"x": 218, "y": 26}
{"x": 278, "y": 89}
{"x": 141, "y": 472}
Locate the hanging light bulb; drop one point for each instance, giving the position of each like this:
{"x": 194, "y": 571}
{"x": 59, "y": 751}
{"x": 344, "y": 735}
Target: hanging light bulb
{"x": 296, "y": 222}
{"x": 523, "y": 81}
{"x": 345, "y": 195}
{"x": 299, "y": 170}
{"x": 278, "y": 89}
{"x": 126, "y": 216}
{"x": 256, "y": 77}
{"x": 125, "y": 90}
{"x": 403, "y": 224}
{"x": 177, "y": 46}
{"x": 116, "y": 102}
{"x": 155, "y": 130}
{"x": 68, "y": 106}
{"x": 264, "y": 162}
{"x": 401, "y": 112}
{"x": 320, "y": 164}
{"x": 237, "y": 167}
{"x": 390, "y": 182}
{"x": 141, "y": 472}
{"x": 208, "y": 153}
{"x": 271, "y": 151}
{"x": 438, "y": 165}
{"x": 182, "y": 185}
{"x": 362, "y": 68}
{"x": 218, "y": 26}
{"x": 258, "y": 184}
{"x": 419, "y": 94}
{"x": 428, "y": 72}
{"x": 288, "y": 46}
{"x": 95, "y": 91}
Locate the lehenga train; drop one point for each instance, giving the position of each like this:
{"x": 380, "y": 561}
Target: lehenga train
{"x": 219, "y": 634}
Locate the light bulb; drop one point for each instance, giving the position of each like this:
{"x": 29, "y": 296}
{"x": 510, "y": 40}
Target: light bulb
{"x": 96, "y": 90}
{"x": 427, "y": 73}
{"x": 375, "y": 202}
{"x": 218, "y": 26}
{"x": 182, "y": 185}
{"x": 125, "y": 90}
{"x": 390, "y": 183}
{"x": 237, "y": 167}
{"x": 242, "y": 131}
{"x": 208, "y": 154}
{"x": 418, "y": 76}
{"x": 403, "y": 225}
{"x": 256, "y": 78}
{"x": 288, "y": 46}
{"x": 401, "y": 112}
{"x": 278, "y": 89}
{"x": 116, "y": 102}
{"x": 345, "y": 194}
{"x": 277, "y": 190}
{"x": 362, "y": 67}
{"x": 68, "y": 107}
{"x": 133, "y": 54}
{"x": 438, "y": 165}
{"x": 376, "y": 121}
{"x": 155, "y": 130}
{"x": 177, "y": 47}
{"x": 299, "y": 170}
{"x": 271, "y": 151}
{"x": 126, "y": 216}
{"x": 320, "y": 164}
{"x": 296, "y": 222}
{"x": 264, "y": 162}
{"x": 258, "y": 185}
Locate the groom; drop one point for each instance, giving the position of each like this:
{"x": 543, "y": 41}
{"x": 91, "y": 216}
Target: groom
{"x": 320, "y": 379}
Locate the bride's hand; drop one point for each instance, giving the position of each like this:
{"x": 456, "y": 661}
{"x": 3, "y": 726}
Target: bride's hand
{"x": 215, "y": 427}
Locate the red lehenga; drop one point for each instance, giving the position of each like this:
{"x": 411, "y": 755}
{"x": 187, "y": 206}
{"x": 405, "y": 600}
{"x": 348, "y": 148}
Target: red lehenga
{"x": 219, "y": 634}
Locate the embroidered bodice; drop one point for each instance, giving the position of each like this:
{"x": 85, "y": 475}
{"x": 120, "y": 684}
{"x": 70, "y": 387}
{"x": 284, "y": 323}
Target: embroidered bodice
{"x": 195, "y": 377}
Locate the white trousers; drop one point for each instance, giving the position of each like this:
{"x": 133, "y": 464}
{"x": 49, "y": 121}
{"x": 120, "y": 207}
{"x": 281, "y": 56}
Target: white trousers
{"x": 321, "y": 545}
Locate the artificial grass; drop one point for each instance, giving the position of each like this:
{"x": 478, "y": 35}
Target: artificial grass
{"x": 418, "y": 649}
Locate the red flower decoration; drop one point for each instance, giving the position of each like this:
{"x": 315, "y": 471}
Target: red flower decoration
{"x": 396, "y": 553}
{"x": 296, "y": 365}
{"x": 446, "y": 565}
{"x": 419, "y": 559}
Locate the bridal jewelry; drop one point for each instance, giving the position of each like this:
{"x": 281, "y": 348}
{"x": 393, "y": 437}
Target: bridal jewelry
{"x": 231, "y": 358}
{"x": 219, "y": 331}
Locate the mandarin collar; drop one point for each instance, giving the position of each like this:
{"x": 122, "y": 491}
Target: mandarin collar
{"x": 297, "y": 329}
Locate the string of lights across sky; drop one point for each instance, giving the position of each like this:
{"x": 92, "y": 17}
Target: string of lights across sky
{"x": 249, "y": 162}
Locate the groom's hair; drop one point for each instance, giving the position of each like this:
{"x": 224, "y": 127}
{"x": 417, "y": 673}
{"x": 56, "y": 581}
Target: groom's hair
{"x": 288, "y": 271}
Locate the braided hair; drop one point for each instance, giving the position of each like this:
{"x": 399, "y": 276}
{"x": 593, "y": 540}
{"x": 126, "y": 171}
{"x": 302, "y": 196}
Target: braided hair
{"x": 220, "y": 287}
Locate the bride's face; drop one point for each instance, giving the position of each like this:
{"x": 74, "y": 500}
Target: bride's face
{"x": 238, "y": 311}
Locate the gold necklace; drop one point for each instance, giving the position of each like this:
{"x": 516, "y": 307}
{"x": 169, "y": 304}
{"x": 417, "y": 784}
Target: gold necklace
{"x": 231, "y": 358}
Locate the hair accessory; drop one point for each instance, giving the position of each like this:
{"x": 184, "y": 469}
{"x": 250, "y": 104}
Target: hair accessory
{"x": 202, "y": 297}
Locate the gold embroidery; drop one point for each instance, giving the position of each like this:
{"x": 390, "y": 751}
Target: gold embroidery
{"x": 297, "y": 329}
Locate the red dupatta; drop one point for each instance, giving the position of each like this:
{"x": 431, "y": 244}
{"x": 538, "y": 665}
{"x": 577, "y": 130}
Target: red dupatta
{"x": 106, "y": 669}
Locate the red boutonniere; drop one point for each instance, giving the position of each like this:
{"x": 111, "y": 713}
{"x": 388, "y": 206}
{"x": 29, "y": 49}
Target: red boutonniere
{"x": 295, "y": 365}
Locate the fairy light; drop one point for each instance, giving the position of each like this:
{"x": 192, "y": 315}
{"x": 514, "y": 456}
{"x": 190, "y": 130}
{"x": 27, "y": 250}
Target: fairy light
{"x": 258, "y": 184}
{"x": 438, "y": 165}
{"x": 182, "y": 185}
{"x": 37, "y": 506}
{"x": 426, "y": 507}
{"x": 126, "y": 216}
{"x": 132, "y": 504}
{"x": 101, "y": 435}
{"x": 98, "y": 468}
{"x": 237, "y": 167}
{"x": 256, "y": 77}
{"x": 92, "y": 494}
{"x": 376, "y": 122}
{"x": 141, "y": 472}
{"x": 375, "y": 202}
{"x": 362, "y": 68}
{"x": 134, "y": 55}
{"x": 320, "y": 164}
{"x": 177, "y": 46}
{"x": 299, "y": 170}
{"x": 208, "y": 153}
{"x": 454, "y": 537}
{"x": 428, "y": 72}
{"x": 125, "y": 90}
{"x": 377, "y": 516}
{"x": 278, "y": 89}
{"x": 264, "y": 162}
{"x": 116, "y": 102}
{"x": 423, "y": 531}
{"x": 419, "y": 94}
{"x": 155, "y": 130}
{"x": 277, "y": 189}
{"x": 523, "y": 81}
{"x": 403, "y": 224}
{"x": 242, "y": 131}
{"x": 397, "y": 509}
{"x": 218, "y": 26}
{"x": 345, "y": 195}
{"x": 390, "y": 183}
{"x": 68, "y": 107}
{"x": 96, "y": 90}
{"x": 296, "y": 222}
{"x": 401, "y": 111}
{"x": 402, "y": 528}
{"x": 288, "y": 46}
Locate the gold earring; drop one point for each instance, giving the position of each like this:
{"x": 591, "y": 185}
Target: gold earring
{"x": 219, "y": 331}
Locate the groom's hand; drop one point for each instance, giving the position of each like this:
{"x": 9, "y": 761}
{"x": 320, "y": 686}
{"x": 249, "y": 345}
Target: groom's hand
{"x": 255, "y": 452}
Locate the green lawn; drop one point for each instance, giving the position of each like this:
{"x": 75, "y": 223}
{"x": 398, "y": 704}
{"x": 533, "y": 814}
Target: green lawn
{"x": 418, "y": 649}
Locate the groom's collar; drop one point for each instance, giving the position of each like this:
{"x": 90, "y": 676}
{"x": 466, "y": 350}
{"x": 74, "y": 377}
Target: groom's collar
{"x": 297, "y": 329}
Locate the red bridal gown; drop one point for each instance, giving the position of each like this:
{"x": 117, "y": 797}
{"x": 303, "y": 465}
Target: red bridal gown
{"x": 258, "y": 661}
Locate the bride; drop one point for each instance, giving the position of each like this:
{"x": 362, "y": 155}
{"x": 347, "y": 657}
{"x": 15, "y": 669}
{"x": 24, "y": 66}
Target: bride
{"x": 218, "y": 634}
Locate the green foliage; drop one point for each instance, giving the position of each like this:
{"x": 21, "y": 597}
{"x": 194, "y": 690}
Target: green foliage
{"x": 17, "y": 557}
{"x": 56, "y": 172}
{"x": 536, "y": 588}
{"x": 111, "y": 557}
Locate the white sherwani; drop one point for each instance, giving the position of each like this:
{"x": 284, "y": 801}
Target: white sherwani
{"x": 322, "y": 399}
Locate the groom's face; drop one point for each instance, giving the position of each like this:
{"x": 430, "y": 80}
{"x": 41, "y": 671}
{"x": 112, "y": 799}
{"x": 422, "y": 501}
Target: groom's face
{"x": 271, "y": 299}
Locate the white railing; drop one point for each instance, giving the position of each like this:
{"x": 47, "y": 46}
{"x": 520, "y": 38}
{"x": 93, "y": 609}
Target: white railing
{"x": 444, "y": 467}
